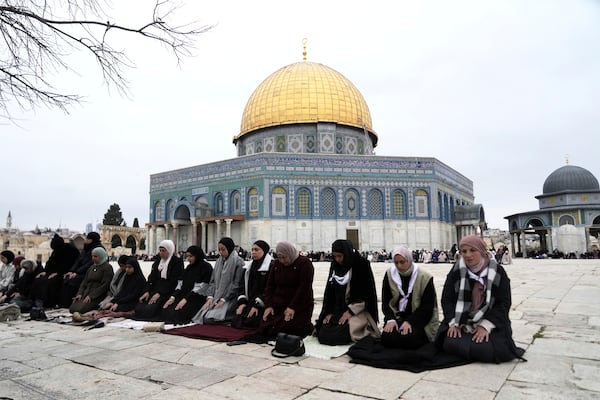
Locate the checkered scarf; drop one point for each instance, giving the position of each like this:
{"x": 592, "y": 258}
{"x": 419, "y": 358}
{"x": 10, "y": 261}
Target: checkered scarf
{"x": 463, "y": 305}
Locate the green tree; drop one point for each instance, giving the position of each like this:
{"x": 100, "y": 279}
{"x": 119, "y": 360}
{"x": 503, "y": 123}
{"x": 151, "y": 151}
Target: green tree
{"x": 39, "y": 36}
{"x": 113, "y": 216}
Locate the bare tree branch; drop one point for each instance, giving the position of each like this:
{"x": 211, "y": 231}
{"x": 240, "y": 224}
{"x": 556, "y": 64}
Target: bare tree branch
{"x": 36, "y": 36}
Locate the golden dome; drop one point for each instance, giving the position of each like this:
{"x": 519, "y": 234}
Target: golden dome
{"x": 306, "y": 92}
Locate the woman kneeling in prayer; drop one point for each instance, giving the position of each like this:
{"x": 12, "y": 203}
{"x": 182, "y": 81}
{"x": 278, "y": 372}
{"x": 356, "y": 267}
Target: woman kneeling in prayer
{"x": 95, "y": 284}
{"x": 190, "y": 293}
{"x": 289, "y": 298}
{"x": 409, "y": 303}
{"x": 349, "y": 310}
{"x": 132, "y": 287}
{"x": 225, "y": 286}
{"x": 163, "y": 278}
{"x": 251, "y": 303}
{"x": 476, "y": 301}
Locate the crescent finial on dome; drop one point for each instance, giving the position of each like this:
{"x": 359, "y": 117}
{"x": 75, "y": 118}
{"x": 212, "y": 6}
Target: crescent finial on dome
{"x": 304, "y": 51}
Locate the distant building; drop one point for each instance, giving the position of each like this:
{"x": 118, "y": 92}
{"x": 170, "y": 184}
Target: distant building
{"x": 568, "y": 220}
{"x": 306, "y": 172}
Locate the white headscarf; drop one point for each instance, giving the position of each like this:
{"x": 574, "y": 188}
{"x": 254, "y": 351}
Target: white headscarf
{"x": 163, "y": 264}
{"x": 413, "y": 271}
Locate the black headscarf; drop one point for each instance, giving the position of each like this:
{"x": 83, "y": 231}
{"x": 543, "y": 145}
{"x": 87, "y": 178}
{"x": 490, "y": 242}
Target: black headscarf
{"x": 263, "y": 245}
{"x": 10, "y": 256}
{"x": 197, "y": 252}
{"x": 228, "y": 243}
{"x": 345, "y": 247}
{"x": 362, "y": 282}
{"x": 95, "y": 238}
{"x": 265, "y": 248}
{"x": 56, "y": 242}
{"x": 133, "y": 261}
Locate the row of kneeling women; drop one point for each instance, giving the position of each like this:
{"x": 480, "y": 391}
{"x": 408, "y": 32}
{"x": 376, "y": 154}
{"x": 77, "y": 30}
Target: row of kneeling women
{"x": 272, "y": 295}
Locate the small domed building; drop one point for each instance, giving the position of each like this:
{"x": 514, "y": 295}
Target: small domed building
{"x": 306, "y": 172}
{"x": 568, "y": 220}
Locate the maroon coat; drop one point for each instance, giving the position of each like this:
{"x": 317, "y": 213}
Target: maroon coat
{"x": 289, "y": 286}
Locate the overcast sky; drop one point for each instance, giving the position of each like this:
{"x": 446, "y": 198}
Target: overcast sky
{"x": 501, "y": 91}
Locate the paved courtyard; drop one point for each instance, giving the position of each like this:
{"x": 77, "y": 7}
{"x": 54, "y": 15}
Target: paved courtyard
{"x": 555, "y": 314}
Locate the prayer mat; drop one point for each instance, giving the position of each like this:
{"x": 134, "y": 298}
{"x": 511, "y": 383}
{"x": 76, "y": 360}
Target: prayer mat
{"x": 323, "y": 351}
{"x": 216, "y": 333}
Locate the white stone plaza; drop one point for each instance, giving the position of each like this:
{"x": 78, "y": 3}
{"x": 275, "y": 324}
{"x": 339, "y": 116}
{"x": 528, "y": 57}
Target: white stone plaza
{"x": 555, "y": 315}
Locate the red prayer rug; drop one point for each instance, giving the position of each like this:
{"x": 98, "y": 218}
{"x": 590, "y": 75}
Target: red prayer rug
{"x": 216, "y": 333}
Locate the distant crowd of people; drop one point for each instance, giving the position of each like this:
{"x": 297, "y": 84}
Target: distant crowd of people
{"x": 272, "y": 292}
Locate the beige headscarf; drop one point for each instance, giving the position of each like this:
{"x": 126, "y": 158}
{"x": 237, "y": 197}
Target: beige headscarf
{"x": 287, "y": 249}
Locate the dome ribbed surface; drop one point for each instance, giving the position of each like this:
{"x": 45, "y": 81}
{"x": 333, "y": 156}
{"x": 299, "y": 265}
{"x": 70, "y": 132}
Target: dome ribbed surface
{"x": 305, "y": 92}
{"x": 570, "y": 178}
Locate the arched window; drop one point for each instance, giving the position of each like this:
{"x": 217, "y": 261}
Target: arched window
{"x": 375, "y": 204}
{"x": 421, "y": 203}
{"x": 236, "y": 203}
{"x": 219, "y": 204}
{"x": 566, "y": 219}
{"x": 352, "y": 203}
{"x": 202, "y": 209}
{"x": 398, "y": 207}
{"x": 278, "y": 202}
{"x": 303, "y": 203}
{"x": 182, "y": 212}
{"x": 159, "y": 211}
{"x": 253, "y": 201}
{"x": 327, "y": 201}
{"x": 116, "y": 241}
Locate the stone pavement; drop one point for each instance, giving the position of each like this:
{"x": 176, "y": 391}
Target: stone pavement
{"x": 556, "y": 317}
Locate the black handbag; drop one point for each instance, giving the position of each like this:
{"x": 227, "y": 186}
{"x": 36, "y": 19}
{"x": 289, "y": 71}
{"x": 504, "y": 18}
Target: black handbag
{"x": 37, "y": 314}
{"x": 287, "y": 345}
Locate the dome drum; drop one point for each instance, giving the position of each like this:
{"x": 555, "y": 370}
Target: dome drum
{"x": 324, "y": 138}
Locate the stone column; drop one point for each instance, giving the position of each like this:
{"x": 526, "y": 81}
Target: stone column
{"x": 152, "y": 241}
{"x": 228, "y": 222}
{"x": 512, "y": 243}
{"x": 195, "y": 233}
{"x": 204, "y": 239}
{"x": 166, "y": 230}
{"x": 174, "y": 237}
{"x": 218, "y": 222}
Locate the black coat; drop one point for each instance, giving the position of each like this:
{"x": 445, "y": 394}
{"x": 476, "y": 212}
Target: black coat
{"x": 84, "y": 262}
{"x": 362, "y": 288}
{"x": 25, "y": 282}
{"x": 164, "y": 287}
{"x": 496, "y": 314}
{"x": 132, "y": 288}
{"x": 198, "y": 272}
{"x": 62, "y": 258}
